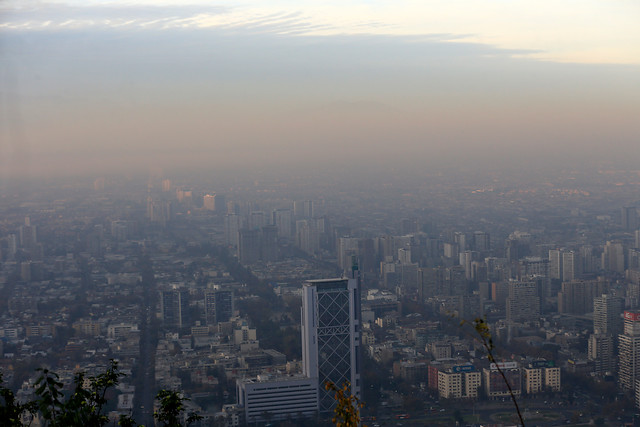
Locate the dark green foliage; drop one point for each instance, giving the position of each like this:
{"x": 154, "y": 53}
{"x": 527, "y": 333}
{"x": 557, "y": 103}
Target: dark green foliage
{"x": 127, "y": 421}
{"x": 84, "y": 407}
{"x": 50, "y": 397}
{"x": 171, "y": 409}
{"x": 457, "y": 417}
{"x": 11, "y": 411}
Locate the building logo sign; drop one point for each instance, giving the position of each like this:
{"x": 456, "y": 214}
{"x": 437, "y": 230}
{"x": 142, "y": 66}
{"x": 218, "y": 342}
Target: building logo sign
{"x": 629, "y": 315}
{"x": 463, "y": 368}
{"x": 504, "y": 365}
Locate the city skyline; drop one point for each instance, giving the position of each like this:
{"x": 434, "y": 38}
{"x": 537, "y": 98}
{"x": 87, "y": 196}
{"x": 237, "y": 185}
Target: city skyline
{"x": 145, "y": 271}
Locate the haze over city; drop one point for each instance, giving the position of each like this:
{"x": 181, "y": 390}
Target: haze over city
{"x": 119, "y": 86}
{"x": 237, "y": 206}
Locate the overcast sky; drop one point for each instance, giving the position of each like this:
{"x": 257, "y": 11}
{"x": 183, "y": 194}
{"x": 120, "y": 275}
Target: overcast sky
{"x": 91, "y": 86}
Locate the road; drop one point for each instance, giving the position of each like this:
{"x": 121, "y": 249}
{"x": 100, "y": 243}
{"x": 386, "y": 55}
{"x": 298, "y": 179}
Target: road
{"x": 536, "y": 413}
{"x": 145, "y": 369}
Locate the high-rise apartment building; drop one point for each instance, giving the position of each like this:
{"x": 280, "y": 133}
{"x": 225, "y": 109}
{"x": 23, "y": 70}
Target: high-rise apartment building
{"x": 465, "y": 260}
{"x": 209, "y": 202}
{"x": 429, "y": 281}
{"x": 451, "y": 251}
{"x": 570, "y": 266}
{"x": 497, "y": 268}
{"x": 577, "y": 296}
{"x": 589, "y": 260}
{"x": 232, "y": 225}
{"x": 500, "y": 293}
{"x": 481, "y": 241}
{"x": 455, "y": 281}
{"x": 613, "y": 257}
{"x": 249, "y": 246}
{"x": 602, "y": 352}
{"x": 629, "y": 351}
{"x": 12, "y": 246}
{"x": 523, "y": 302}
{"x": 269, "y": 243}
{"x": 555, "y": 264}
{"x": 258, "y": 244}
{"x": 366, "y": 255}
{"x": 307, "y": 207}
{"x": 307, "y": 237}
{"x": 518, "y": 245}
{"x": 28, "y": 235}
{"x": 347, "y": 248}
{"x": 629, "y": 217}
{"x": 218, "y": 305}
{"x": 633, "y": 259}
{"x": 303, "y": 209}
{"x": 331, "y": 335}
{"x": 159, "y": 211}
{"x": 283, "y": 219}
{"x": 174, "y": 306}
{"x": 533, "y": 266}
{"x": 460, "y": 239}
{"x": 257, "y": 220}
{"x": 607, "y": 314}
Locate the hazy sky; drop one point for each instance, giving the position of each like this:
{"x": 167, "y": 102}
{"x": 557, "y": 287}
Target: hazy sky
{"x": 89, "y": 86}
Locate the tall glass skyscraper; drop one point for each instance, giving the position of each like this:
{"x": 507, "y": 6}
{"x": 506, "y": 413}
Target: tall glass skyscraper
{"x": 331, "y": 335}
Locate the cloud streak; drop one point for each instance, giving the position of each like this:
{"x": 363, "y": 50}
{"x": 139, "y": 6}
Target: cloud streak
{"x": 593, "y": 31}
{"x": 168, "y": 18}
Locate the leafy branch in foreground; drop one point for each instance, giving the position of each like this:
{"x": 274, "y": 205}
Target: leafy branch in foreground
{"x": 171, "y": 409}
{"x": 347, "y": 410}
{"x": 11, "y": 411}
{"x": 482, "y": 330}
{"x": 84, "y": 407}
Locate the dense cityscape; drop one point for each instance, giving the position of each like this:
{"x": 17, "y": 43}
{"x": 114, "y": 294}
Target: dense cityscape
{"x": 219, "y": 287}
{"x": 319, "y": 213}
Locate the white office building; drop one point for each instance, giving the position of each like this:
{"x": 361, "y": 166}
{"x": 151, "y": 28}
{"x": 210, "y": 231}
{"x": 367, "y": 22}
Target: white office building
{"x": 266, "y": 399}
